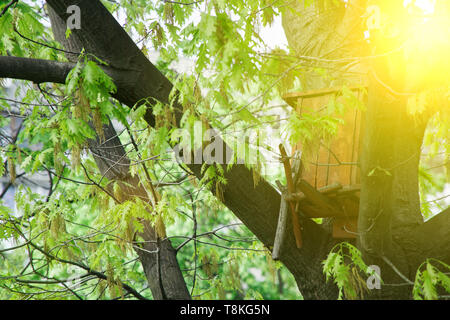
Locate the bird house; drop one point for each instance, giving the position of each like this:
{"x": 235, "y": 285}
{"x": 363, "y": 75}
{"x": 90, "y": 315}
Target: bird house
{"x": 329, "y": 182}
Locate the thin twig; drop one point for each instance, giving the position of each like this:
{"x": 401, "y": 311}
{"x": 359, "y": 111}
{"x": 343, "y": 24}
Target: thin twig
{"x": 12, "y": 2}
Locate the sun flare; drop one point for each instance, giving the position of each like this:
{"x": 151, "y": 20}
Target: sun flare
{"x": 427, "y": 6}
{"x": 418, "y": 33}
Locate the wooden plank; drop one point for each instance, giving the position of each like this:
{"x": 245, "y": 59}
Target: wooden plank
{"x": 350, "y": 189}
{"x": 318, "y": 199}
{"x": 343, "y": 200}
{"x": 299, "y": 196}
{"x": 291, "y": 189}
{"x": 281, "y": 229}
{"x": 334, "y": 187}
{"x": 349, "y": 204}
{"x": 337, "y": 161}
{"x": 345, "y": 228}
{"x": 296, "y": 166}
{"x": 282, "y": 217}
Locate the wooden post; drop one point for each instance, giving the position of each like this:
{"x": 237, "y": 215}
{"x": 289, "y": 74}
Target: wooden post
{"x": 291, "y": 190}
{"x": 281, "y": 226}
{"x": 284, "y": 207}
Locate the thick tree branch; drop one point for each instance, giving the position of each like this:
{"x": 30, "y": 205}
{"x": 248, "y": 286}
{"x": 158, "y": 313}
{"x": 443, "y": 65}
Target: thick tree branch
{"x": 430, "y": 240}
{"x": 36, "y": 70}
{"x": 155, "y": 254}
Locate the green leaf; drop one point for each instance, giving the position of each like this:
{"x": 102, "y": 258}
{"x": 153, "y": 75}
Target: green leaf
{"x": 247, "y": 116}
{"x": 429, "y": 290}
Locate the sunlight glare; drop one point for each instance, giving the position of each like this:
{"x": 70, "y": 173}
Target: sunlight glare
{"x": 427, "y": 6}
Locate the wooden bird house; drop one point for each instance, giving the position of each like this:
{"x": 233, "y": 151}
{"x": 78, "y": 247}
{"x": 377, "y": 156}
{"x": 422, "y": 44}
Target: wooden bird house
{"x": 336, "y": 162}
{"x": 329, "y": 182}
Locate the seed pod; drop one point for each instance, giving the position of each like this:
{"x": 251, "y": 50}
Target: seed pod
{"x": 219, "y": 191}
{"x": 19, "y": 154}
{"x": 76, "y": 156}
{"x": 160, "y": 227}
{"x": 98, "y": 125}
{"x": 56, "y": 157}
{"x": 168, "y": 13}
{"x": 221, "y": 292}
{"x": 11, "y": 170}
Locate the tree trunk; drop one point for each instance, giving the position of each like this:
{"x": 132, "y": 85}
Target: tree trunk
{"x": 392, "y": 231}
{"x": 389, "y": 202}
{"x": 391, "y": 228}
{"x": 157, "y": 256}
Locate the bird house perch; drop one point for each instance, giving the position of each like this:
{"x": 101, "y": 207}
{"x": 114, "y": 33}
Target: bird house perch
{"x": 329, "y": 183}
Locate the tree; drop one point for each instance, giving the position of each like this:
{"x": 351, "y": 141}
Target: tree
{"x": 391, "y": 227}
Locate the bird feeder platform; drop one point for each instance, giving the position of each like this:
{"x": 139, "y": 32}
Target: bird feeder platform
{"x": 328, "y": 185}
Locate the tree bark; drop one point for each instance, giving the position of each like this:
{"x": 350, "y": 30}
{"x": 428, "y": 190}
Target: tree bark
{"x": 157, "y": 256}
{"x": 36, "y": 70}
{"x": 389, "y": 201}
{"x": 392, "y": 231}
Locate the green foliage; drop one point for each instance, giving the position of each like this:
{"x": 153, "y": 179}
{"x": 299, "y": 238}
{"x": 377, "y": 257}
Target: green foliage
{"x": 24, "y": 21}
{"x": 345, "y": 265}
{"x": 434, "y": 169}
{"x": 430, "y": 277}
